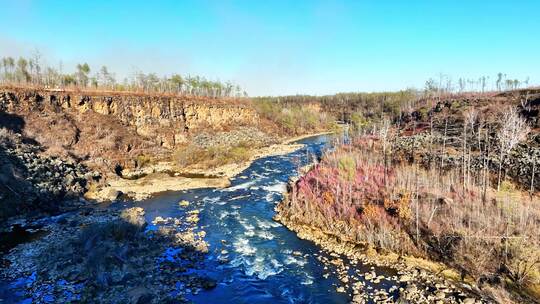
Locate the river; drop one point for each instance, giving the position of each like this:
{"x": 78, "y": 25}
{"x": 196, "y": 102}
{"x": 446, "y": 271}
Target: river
{"x": 253, "y": 258}
{"x": 265, "y": 262}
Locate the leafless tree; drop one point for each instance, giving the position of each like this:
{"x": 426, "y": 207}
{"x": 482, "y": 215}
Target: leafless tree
{"x": 525, "y": 102}
{"x": 514, "y": 129}
{"x": 533, "y": 159}
{"x": 385, "y": 134}
{"x": 470, "y": 118}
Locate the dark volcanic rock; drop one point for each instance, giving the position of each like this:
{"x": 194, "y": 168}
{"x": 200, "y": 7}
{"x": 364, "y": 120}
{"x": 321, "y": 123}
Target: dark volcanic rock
{"x": 31, "y": 183}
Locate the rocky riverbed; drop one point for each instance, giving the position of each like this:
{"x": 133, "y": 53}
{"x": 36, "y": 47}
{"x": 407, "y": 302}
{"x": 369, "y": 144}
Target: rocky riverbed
{"x": 108, "y": 257}
{"x": 412, "y": 280}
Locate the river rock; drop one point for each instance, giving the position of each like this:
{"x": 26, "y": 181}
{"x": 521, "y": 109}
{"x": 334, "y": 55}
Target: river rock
{"x": 112, "y": 194}
{"x": 468, "y": 301}
{"x": 134, "y": 216}
{"x": 405, "y": 278}
{"x": 158, "y": 220}
{"x": 440, "y": 295}
{"x": 358, "y": 299}
{"x": 194, "y": 218}
{"x": 208, "y": 283}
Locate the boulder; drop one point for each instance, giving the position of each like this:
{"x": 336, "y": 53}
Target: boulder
{"x": 134, "y": 216}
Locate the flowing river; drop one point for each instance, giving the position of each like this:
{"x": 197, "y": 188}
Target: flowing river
{"x": 253, "y": 258}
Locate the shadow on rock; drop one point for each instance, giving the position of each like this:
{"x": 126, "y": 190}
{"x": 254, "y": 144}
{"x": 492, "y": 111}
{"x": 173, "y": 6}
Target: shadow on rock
{"x": 30, "y": 183}
{"x": 115, "y": 259}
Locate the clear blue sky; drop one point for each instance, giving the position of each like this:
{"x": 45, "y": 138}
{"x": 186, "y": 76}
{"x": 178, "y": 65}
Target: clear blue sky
{"x": 284, "y": 47}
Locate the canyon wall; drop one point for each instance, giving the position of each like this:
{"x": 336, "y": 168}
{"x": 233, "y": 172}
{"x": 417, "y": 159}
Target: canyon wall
{"x": 166, "y": 120}
{"x": 108, "y": 130}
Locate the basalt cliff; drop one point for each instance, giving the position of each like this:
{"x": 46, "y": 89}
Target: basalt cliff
{"x": 125, "y": 125}
{"x": 57, "y": 144}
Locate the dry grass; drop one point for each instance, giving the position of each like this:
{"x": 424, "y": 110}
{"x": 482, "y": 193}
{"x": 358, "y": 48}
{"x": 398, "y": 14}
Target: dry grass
{"x": 213, "y": 156}
{"x": 294, "y": 119}
{"x": 7, "y": 137}
{"x": 424, "y": 213}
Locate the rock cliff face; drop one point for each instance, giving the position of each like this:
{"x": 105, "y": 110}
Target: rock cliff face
{"x": 31, "y": 183}
{"x": 51, "y": 140}
{"x": 165, "y": 120}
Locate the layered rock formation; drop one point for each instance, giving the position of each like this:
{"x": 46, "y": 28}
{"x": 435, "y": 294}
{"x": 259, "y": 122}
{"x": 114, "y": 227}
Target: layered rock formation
{"x": 61, "y": 136}
{"x": 164, "y": 119}
{"x": 114, "y": 129}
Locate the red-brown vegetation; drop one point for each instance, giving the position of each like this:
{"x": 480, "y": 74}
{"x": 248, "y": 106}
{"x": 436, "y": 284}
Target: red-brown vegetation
{"x": 422, "y": 212}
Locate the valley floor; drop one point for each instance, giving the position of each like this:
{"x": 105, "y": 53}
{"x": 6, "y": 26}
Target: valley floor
{"x": 163, "y": 177}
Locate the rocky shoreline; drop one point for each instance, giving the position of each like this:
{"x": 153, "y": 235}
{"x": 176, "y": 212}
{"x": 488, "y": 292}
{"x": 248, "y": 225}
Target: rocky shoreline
{"x": 110, "y": 257}
{"x": 164, "y": 177}
{"x": 59, "y": 264}
{"x": 416, "y": 280}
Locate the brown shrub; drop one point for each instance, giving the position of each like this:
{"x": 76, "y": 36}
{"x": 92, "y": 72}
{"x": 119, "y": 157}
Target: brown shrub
{"x": 212, "y": 156}
{"x": 423, "y": 212}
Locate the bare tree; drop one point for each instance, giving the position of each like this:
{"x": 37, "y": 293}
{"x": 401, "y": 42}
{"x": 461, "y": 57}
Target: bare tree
{"x": 485, "y": 177}
{"x": 499, "y": 79}
{"x": 35, "y": 62}
{"x": 514, "y": 129}
{"x": 533, "y": 159}
{"x": 470, "y": 118}
{"x": 525, "y": 102}
{"x": 385, "y": 134}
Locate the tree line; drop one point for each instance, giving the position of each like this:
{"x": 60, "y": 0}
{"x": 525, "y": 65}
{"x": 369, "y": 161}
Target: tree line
{"x": 444, "y": 84}
{"x": 350, "y": 107}
{"x": 31, "y": 71}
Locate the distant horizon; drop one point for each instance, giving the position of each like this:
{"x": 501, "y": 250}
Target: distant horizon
{"x": 490, "y": 88}
{"x": 283, "y": 48}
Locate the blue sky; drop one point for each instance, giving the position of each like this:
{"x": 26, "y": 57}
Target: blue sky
{"x": 284, "y": 47}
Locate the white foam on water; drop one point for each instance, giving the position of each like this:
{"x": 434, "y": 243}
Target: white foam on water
{"x": 240, "y": 186}
{"x": 240, "y": 261}
{"x": 223, "y": 214}
{"x": 246, "y": 225}
{"x": 262, "y": 269}
{"x": 226, "y": 213}
{"x": 266, "y": 224}
{"x": 270, "y": 197}
{"x": 280, "y": 187}
{"x": 307, "y": 281}
{"x": 294, "y": 260}
{"x": 238, "y": 197}
{"x": 263, "y": 234}
{"x": 272, "y": 170}
{"x": 253, "y": 262}
{"x": 276, "y": 263}
{"x": 242, "y": 247}
{"x": 213, "y": 200}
